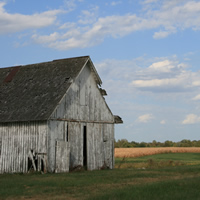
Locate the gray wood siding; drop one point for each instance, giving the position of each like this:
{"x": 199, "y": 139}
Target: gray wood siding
{"x": 95, "y": 149}
{"x": 108, "y": 141}
{"x": 76, "y": 144}
{"x": 62, "y": 156}
{"x": 83, "y": 101}
{"x": 17, "y": 140}
{"x": 56, "y": 132}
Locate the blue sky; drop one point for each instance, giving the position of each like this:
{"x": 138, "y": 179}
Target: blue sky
{"x": 146, "y": 52}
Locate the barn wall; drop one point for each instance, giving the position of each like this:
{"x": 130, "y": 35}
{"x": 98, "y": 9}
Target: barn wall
{"x": 100, "y": 146}
{"x": 17, "y": 141}
{"x": 108, "y": 145}
{"x": 56, "y": 132}
{"x": 76, "y": 144}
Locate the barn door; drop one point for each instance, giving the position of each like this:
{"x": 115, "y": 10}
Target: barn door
{"x": 85, "y": 146}
{"x": 62, "y": 156}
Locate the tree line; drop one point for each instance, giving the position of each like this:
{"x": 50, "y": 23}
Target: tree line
{"x": 124, "y": 143}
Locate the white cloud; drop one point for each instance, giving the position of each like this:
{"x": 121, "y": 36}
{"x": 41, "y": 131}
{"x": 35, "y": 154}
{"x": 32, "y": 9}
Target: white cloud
{"x": 163, "y": 66}
{"x": 149, "y": 1}
{"x": 114, "y": 3}
{"x": 196, "y": 83}
{"x": 163, "y": 122}
{"x": 45, "y": 39}
{"x": 89, "y": 16}
{"x": 145, "y": 118}
{"x": 18, "y": 22}
{"x": 161, "y": 34}
{"x": 70, "y": 4}
{"x": 158, "y": 83}
{"x": 191, "y": 119}
{"x": 68, "y": 25}
{"x": 196, "y": 98}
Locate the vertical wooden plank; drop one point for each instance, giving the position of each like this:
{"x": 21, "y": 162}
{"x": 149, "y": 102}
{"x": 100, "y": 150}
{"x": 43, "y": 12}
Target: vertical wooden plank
{"x": 2, "y": 149}
{"x": 62, "y": 156}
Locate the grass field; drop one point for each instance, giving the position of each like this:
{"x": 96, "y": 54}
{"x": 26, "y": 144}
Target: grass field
{"x": 157, "y": 177}
{"x": 158, "y": 161}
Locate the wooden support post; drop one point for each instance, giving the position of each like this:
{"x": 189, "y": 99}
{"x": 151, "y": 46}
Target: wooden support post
{"x": 32, "y": 159}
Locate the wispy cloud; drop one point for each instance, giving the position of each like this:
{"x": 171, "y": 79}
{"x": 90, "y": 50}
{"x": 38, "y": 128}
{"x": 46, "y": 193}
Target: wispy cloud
{"x": 114, "y": 3}
{"x": 149, "y": 1}
{"x": 90, "y": 30}
{"x": 196, "y": 98}
{"x": 89, "y": 16}
{"x": 169, "y": 17}
{"x": 145, "y": 118}
{"x": 115, "y": 26}
{"x": 166, "y": 66}
{"x": 163, "y": 122}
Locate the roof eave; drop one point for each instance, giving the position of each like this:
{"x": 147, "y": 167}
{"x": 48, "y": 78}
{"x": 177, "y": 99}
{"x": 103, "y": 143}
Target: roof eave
{"x": 118, "y": 119}
{"x": 94, "y": 71}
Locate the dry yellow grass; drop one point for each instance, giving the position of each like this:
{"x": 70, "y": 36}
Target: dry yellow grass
{"x": 138, "y": 152}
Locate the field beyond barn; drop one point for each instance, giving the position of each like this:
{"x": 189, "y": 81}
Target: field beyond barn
{"x": 138, "y": 152}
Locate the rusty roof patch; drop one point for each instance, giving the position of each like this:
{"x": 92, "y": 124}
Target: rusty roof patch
{"x": 11, "y": 74}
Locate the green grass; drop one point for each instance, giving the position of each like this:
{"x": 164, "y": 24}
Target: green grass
{"x": 154, "y": 182}
{"x": 186, "y": 189}
{"x": 159, "y": 160}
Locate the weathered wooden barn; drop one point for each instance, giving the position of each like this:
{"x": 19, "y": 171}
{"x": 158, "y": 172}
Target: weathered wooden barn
{"x": 53, "y": 117}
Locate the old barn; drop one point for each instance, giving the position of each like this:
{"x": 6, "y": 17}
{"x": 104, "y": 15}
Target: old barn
{"x": 53, "y": 117}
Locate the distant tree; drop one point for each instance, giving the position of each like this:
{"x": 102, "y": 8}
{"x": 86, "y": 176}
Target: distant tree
{"x": 142, "y": 144}
{"x": 154, "y": 143}
{"x": 168, "y": 143}
{"x": 185, "y": 143}
{"x": 134, "y": 144}
{"x": 124, "y": 143}
{"x": 197, "y": 144}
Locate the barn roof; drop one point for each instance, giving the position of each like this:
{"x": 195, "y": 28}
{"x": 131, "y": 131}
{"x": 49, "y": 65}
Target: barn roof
{"x": 31, "y": 92}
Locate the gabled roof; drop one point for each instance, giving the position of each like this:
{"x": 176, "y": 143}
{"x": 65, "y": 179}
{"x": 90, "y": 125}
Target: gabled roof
{"x": 31, "y": 92}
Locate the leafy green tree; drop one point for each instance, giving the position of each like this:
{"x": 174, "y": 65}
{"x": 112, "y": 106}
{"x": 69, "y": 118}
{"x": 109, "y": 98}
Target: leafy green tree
{"x": 168, "y": 143}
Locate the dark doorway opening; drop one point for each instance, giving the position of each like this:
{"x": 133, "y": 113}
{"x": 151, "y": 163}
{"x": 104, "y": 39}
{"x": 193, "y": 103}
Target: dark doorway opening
{"x": 67, "y": 133}
{"x": 84, "y": 146}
